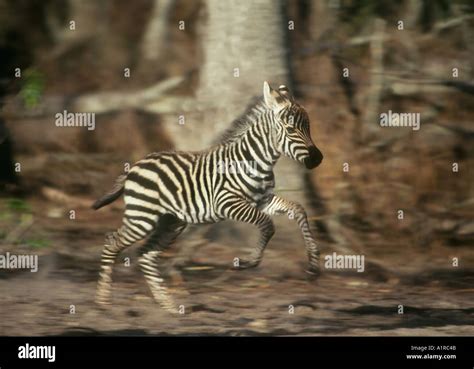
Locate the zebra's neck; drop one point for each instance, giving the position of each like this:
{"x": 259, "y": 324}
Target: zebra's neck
{"x": 257, "y": 142}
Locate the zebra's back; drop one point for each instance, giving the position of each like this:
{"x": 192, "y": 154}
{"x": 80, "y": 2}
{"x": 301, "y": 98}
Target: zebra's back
{"x": 177, "y": 183}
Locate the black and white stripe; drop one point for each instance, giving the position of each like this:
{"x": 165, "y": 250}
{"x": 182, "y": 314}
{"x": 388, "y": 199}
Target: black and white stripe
{"x": 168, "y": 190}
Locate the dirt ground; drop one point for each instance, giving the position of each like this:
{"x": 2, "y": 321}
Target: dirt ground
{"x": 436, "y": 297}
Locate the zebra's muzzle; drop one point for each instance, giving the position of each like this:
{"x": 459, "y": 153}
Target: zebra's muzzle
{"x": 314, "y": 159}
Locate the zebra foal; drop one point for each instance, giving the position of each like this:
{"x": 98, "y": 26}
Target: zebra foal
{"x": 167, "y": 190}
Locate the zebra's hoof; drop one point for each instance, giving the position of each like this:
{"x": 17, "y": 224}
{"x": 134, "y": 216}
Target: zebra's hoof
{"x": 103, "y": 302}
{"x": 245, "y": 264}
{"x": 170, "y": 309}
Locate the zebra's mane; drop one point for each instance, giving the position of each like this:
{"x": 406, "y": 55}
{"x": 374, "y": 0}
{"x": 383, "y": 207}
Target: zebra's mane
{"x": 244, "y": 121}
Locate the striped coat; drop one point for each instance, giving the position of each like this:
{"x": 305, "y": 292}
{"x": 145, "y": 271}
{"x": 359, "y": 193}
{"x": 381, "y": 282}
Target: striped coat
{"x": 234, "y": 180}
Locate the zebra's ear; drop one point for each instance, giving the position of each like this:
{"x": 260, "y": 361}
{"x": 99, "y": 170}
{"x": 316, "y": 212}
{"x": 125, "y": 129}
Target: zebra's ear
{"x": 272, "y": 98}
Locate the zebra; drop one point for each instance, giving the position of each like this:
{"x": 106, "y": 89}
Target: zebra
{"x": 166, "y": 191}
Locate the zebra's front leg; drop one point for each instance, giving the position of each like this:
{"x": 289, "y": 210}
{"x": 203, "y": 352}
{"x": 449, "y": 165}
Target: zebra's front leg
{"x": 277, "y": 205}
{"x": 242, "y": 211}
{"x": 169, "y": 228}
{"x": 267, "y": 230}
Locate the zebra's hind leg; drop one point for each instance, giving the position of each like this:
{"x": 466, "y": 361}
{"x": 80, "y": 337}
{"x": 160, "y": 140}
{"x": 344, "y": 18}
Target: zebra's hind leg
{"x": 115, "y": 242}
{"x": 169, "y": 228}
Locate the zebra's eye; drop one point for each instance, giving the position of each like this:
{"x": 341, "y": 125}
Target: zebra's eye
{"x": 290, "y": 129}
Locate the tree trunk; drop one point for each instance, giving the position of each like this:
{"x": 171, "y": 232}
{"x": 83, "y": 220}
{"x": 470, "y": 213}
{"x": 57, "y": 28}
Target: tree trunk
{"x": 243, "y": 44}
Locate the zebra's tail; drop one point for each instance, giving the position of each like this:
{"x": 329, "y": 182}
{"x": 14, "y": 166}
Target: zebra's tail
{"x": 113, "y": 194}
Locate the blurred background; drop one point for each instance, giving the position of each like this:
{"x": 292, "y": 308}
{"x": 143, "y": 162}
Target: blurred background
{"x": 173, "y": 74}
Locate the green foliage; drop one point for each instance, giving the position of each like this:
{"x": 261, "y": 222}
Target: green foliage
{"x": 38, "y": 243}
{"x": 5, "y": 215}
{"x": 32, "y": 87}
{"x": 18, "y": 205}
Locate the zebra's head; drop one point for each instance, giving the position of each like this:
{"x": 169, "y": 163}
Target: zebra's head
{"x": 291, "y": 127}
